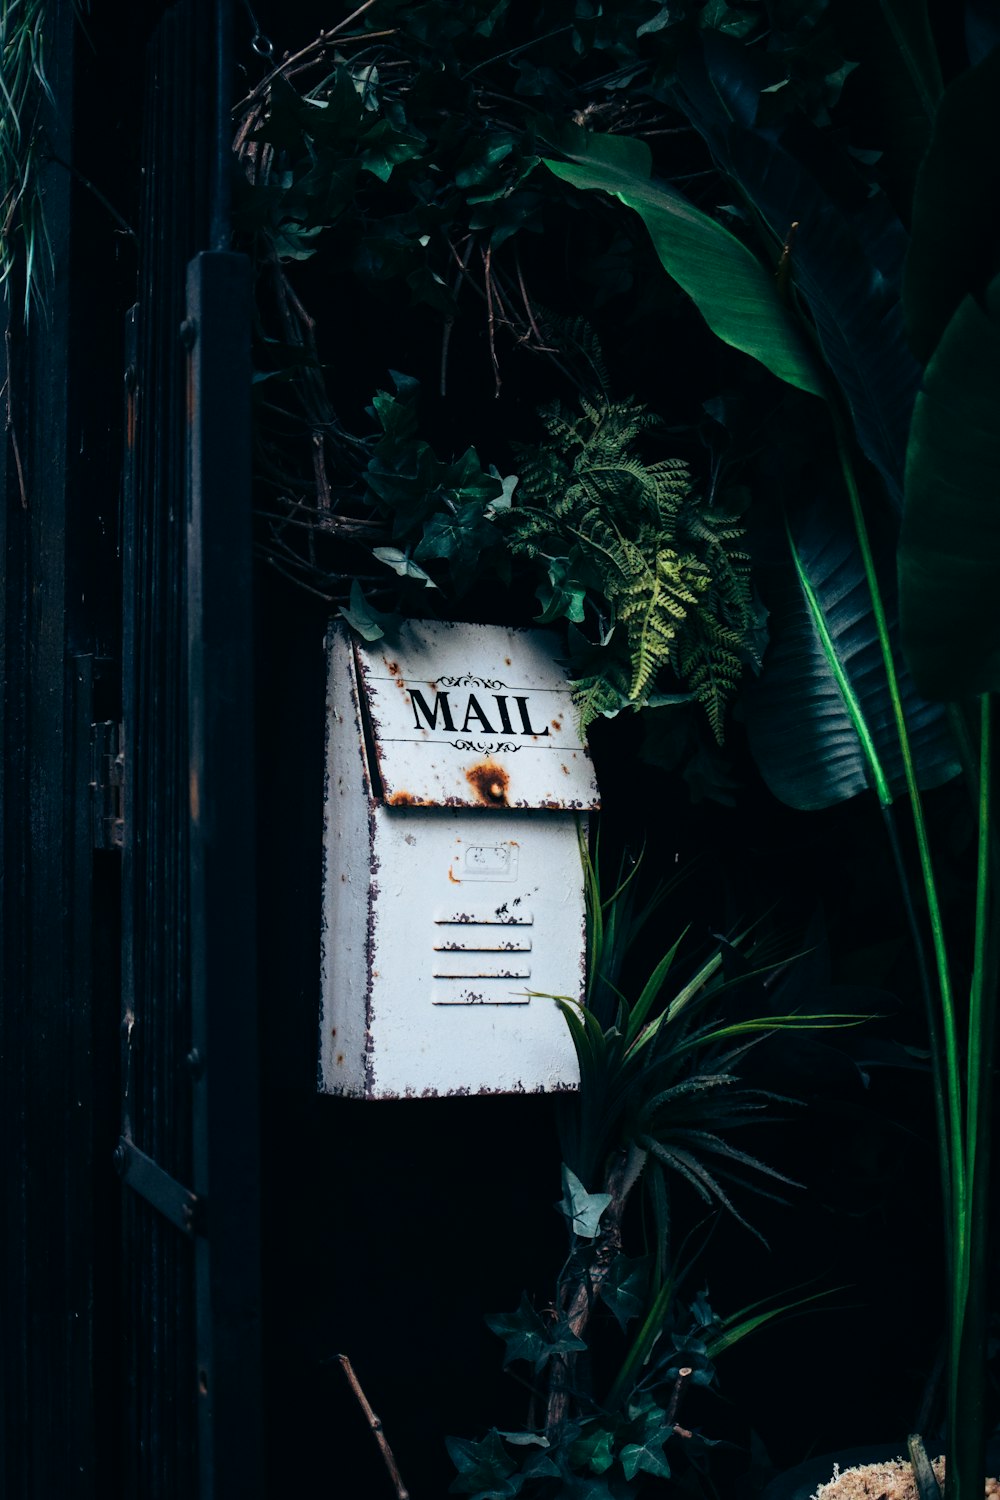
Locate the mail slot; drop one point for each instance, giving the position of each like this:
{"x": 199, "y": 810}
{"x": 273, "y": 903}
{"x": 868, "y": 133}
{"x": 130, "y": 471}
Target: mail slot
{"x": 456, "y": 786}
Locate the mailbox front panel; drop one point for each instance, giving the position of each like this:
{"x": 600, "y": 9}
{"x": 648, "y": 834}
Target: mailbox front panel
{"x": 447, "y": 928}
{"x": 465, "y": 925}
{"x": 476, "y": 716}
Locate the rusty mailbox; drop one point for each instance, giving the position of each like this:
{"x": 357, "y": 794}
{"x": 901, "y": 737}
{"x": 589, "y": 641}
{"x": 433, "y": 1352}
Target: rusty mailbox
{"x": 456, "y": 782}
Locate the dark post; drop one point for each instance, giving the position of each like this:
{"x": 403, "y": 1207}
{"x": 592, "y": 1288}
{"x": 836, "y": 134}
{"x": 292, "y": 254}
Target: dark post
{"x": 224, "y": 1060}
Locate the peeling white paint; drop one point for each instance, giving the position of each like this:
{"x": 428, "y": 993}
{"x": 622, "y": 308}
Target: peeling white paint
{"x": 453, "y": 887}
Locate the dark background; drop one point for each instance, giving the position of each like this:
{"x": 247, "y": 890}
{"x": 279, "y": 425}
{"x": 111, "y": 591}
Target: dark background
{"x": 390, "y": 1229}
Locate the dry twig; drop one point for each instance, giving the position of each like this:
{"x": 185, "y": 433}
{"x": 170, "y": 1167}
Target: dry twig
{"x": 375, "y": 1424}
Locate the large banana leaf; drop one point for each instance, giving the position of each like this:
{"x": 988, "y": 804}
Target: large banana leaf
{"x": 846, "y": 253}
{"x": 735, "y": 293}
{"x": 819, "y": 717}
{"x": 949, "y": 556}
{"x": 954, "y": 248}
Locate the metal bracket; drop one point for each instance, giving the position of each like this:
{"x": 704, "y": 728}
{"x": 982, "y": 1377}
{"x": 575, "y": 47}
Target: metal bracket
{"x": 107, "y": 764}
{"x": 177, "y": 1203}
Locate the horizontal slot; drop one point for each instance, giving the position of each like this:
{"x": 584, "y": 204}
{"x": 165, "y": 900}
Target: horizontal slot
{"x": 473, "y": 971}
{"x": 476, "y": 997}
{"x": 498, "y": 918}
{"x": 488, "y": 943}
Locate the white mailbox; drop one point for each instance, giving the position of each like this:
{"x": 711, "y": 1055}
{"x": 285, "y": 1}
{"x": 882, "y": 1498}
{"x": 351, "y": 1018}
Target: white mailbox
{"x": 456, "y": 782}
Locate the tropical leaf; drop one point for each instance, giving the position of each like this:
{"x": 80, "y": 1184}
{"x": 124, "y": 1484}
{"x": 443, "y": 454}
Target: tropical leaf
{"x": 735, "y": 293}
{"x": 845, "y": 254}
{"x": 819, "y": 717}
{"x": 954, "y": 246}
{"x": 949, "y": 557}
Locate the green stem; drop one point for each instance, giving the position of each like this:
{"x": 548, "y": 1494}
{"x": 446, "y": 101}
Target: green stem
{"x": 979, "y": 966}
{"x": 967, "y": 1350}
{"x": 933, "y": 1024}
{"x": 953, "y": 1078}
{"x": 642, "y": 1344}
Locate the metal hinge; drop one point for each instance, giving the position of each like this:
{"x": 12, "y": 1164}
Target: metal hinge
{"x": 176, "y": 1202}
{"x": 107, "y": 764}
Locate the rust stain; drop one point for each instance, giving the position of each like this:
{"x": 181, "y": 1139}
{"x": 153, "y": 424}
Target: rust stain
{"x": 392, "y": 667}
{"x": 506, "y": 661}
{"x": 489, "y": 782}
{"x": 453, "y": 878}
{"x": 402, "y": 799}
{"x": 333, "y": 1031}
{"x": 557, "y": 725}
{"x": 340, "y": 1057}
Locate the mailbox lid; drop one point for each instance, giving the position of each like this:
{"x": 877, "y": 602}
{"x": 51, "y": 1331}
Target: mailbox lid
{"x": 473, "y": 716}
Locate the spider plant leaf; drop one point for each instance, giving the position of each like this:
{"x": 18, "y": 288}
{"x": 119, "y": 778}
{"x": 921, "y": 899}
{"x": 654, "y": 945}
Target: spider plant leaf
{"x": 651, "y": 991}
{"x": 701, "y": 1179}
{"x": 739, "y": 1324}
{"x": 824, "y": 1021}
{"x": 819, "y": 717}
{"x": 735, "y": 292}
{"x": 845, "y": 254}
{"x": 714, "y": 1143}
{"x": 582, "y": 1037}
{"x": 694, "y": 986}
{"x": 949, "y": 555}
{"x": 700, "y": 1083}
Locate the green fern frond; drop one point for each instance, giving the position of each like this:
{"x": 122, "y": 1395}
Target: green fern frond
{"x": 600, "y": 694}
{"x": 668, "y": 567}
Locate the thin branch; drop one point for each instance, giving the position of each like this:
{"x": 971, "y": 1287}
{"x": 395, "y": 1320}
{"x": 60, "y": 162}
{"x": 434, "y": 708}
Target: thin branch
{"x": 459, "y": 281}
{"x": 491, "y": 316}
{"x": 375, "y": 1424}
{"x": 312, "y": 52}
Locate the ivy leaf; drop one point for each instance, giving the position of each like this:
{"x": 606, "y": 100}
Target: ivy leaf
{"x": 402, "y": 564}
{"x": 731, "y": 19}
{"x": 397, "y": 415}
{"x": 587, "y": 1487}
{"x": 467, "y": 481}
{"x": 479, "y": 158}
{"x": 460, "y": 539}
{"x": 385, "y": 148}
{"x": 583, "y": 1210}
{"x": 540, "y": 1466}
{"x": 292, "y": 240}
{"x": 593, "y": 1450}
{"x": 485, "y": 1469}
{"x": 370, "y": 623}
{"x": 623, "y": 1288}
{"x": 522, "y": 1331}
{"x": 508, "y": 484}
{"x": 647, "y": 1455}
{"x": 529, "y": 1338}
{"x": 561, "y": 594}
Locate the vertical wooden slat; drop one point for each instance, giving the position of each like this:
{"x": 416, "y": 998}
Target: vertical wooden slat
{"x": 158, "y": 1263}
{"x": 223, "y": 836}
{"x": 47, "y": 1439}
